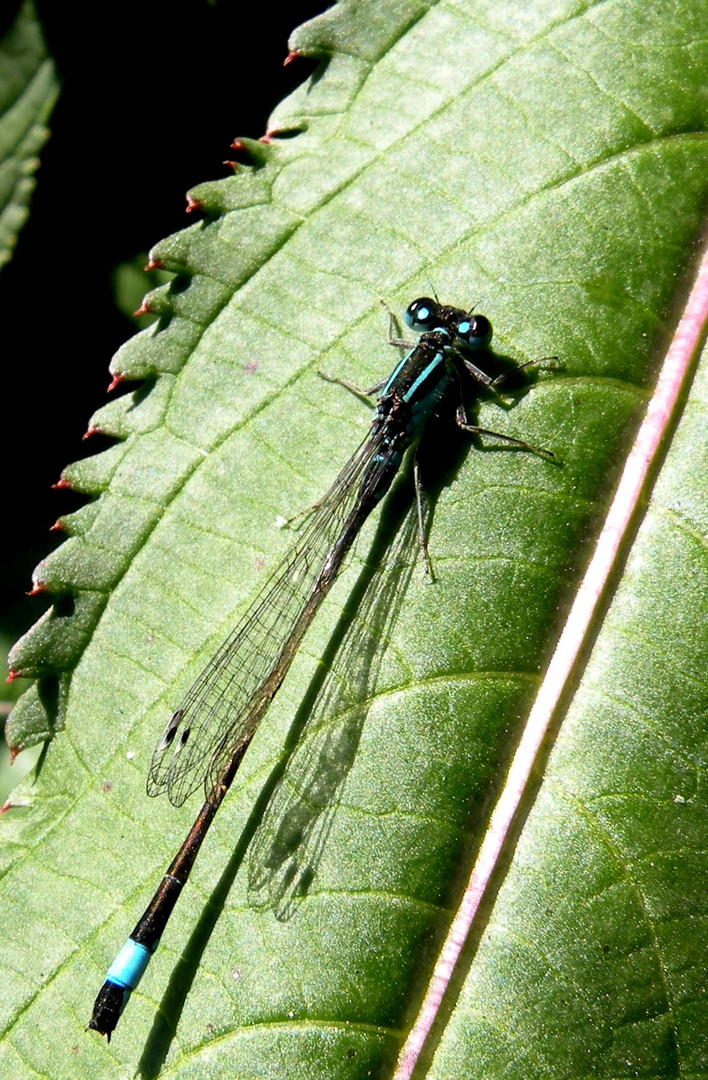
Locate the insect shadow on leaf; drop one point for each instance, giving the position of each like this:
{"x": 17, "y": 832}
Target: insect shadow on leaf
{"x": 289, "y": 842}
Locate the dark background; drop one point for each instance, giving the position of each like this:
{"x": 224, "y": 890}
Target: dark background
{"x": 152, "y": 96}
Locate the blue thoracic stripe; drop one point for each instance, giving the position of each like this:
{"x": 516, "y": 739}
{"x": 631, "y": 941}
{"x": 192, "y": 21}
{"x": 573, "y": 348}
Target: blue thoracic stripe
{"x": 395, "y": 373}
{"x": 432, "y": 366}
{"x": 129, "y": 965}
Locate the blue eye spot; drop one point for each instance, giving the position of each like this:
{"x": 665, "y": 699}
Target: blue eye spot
{"x": 422, "y": 313}
{"x": 475, "y": 333}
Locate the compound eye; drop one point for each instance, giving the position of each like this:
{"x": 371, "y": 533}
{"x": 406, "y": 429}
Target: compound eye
{"x": 474, "y": 331}
{"x": 422, "y": 314}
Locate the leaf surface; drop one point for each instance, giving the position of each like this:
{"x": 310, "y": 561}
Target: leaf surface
{"x": 549, "y": 164}
{"x": 597, "y": 940}
{"x": 28, "y": 91}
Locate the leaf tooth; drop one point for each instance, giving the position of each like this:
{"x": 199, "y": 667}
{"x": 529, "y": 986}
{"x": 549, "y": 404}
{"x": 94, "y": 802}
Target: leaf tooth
{"x": 53, "y": 645}
{"x": 79, "y": 522}
{"x": 38, "y": 715}
{"x": 257, "y": 151}
{"x": 92, "y": 475}
{"x": 118, "y": 378}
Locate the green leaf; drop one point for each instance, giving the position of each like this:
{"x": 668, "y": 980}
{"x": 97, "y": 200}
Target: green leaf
{"x": 28, "y": 91}
{"x": 597, "y": 941}
{"x": 549, "y": 164}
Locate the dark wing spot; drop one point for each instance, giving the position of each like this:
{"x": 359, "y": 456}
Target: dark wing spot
{"x": 171, "y": 730}
{"x": 182, "y": 740}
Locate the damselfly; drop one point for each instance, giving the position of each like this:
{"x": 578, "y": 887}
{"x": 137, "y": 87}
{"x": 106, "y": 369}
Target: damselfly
{"x": 207, "y": 737}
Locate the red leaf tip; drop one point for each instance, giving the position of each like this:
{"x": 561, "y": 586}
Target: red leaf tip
{"x": 192, "y": 204}
{"x": 117, "y": 379}
{"x": 292, "y": 55}
{"x": 90, "y": 431}
{"x": 153, "y": 264}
